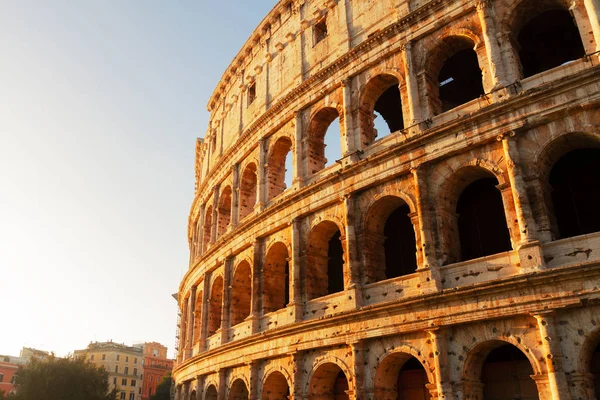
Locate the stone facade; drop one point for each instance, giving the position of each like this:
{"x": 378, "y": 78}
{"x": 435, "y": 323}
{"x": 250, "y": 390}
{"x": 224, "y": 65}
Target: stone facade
{"x": 457, "y": 257}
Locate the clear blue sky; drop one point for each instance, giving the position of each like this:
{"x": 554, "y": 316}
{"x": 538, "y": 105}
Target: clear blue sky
{"x": 100, "y": 106}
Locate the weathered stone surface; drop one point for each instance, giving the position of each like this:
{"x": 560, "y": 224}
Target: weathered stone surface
{"x": 416, "y": 262}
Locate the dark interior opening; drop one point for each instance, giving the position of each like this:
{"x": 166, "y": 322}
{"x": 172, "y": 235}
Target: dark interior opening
{"x": 481, "y": 221}
{"x": 411, "y": 381}
{"x": 400, "y": 245}
{"x": 286, "y": 292}
{"x": 595, "y": 369}
{"x": 389, "y": 106}
{"x": 506, "y": 375}
{"x": 460, "y": 79}
{"x": 335, "y": 265}
{"x": 340, "y": 387}
{"x": 548, "y": 40}
{"x": 575, "y": 182}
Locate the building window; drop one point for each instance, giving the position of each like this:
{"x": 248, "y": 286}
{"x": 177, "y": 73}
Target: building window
{"x": 251, "y": 93}
{"x": 126, "y": 358}
{"x": 104, "y": 356}
{"x": 135, "y": 372}
{"x": 122, "y": 395}
{"x": 126, "y": 371}
{"x": 124, "y": 382}
{"x": 116, "y": 369}
{"x": 132, "y": 396}
{"x": 92, "y": 358}
{"x": 135, "y": 360}
{"x": 319, "y": 31}
{"x": 114, "y": 381}
{"x": 1, "y": 377}
{"x": 133, "y": 382}
{"x": 151, "y": 378}
{"x": 155, "y": 352}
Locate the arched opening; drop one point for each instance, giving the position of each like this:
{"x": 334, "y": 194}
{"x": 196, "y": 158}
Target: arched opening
{"x": 215, "y": 306}
{"x": 248, "y": 185}
{"x": 241, "y": 293}
{"x": 575, "y": 183}
{"x": 193, "y": 395}
{"x": 460, "y": 79}
{"x": 329, "y": 382}
{"x": 276, "y": 170}
{"x": 276, "y": 275}
{"x": 276, "y": 387}
{"x": 595, "y": 370}
{"x": 322, "y": 136}
{"x": 224, "y": 211}
{"x": 548, "y": 38}
{"x": 198, "y": 316}
{"x": 211, "y": 393}
{"x": 324, "y": 261}
{"x": 390, "y": 243}
{"x": 239, "y": 391}
{"x": 207, "y": 229}
{"x": 403, "y": 377}
{"x": 482, "y": 224}
{"x": 506, "y": 375}
{"x": 380, "y": 109}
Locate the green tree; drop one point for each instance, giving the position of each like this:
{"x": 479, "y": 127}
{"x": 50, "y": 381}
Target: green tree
{"x": 163, "y": 390}
{"x": 62, "y": 379}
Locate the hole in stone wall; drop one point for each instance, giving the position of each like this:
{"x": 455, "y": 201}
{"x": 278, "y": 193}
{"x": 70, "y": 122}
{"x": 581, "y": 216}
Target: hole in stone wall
{"x": 248, "y": 186}
{"x": 239, "y": 391}
{"x": 400, "y": 245}
{"x": 380, "y": 108}
{"x": 275, "y": 387}
{"x": 207, "y": 229}
{"x": 575, "y": 182}
{"x": 241, "y": 293}
{"x": 324, "y": 143}
{"x": 197, "y": 317}
{"x": 411, "y": 382}
{"x": 481, "y": 220}
{"x": 506, "y": 375}
{"x": 276, "y": 278}
{"x": 595, "y": 369}
{"x": 340, "y": 387}
{"x": 319, "y": 31}
{"x": 460, "y": 79}
{"x": 215, "y": 307}
{"x": 224, "y": 211}
{"x": 211, "y": 393}
{"x": 277, "y": 166}
{"x": 389, "y": 106}
{"x": 251, "y": 93}
{"x": 548, "y": 40}
{"x": 335, "y": 264}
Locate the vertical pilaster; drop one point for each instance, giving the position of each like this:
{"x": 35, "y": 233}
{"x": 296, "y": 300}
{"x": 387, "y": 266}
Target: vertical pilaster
{"x": 256, "y": 312}
{"x": 298, "y": 374}
{"x": 215, "y": 216}
{"x": 485, "y": 11}
{"x": 352, "y": 283}
{"x": 295, "y": 266}
{"x": 235, "y": 195}
{"x": 298, "y": 173}
{"x": 552, "y": 356}
{"x": 204, "y": 313}
{"x": 429, "y": 271}
{"x": 412, "y": 85}
{"x": 358, "y": 366}
{"x": 226, "y": 306}
{"x": 593, "y": 11}
{"x": 222, "y": 391}
{"x": 186, "y": 390}
{"x": 199, "y": 237}
{"x": 254, "y": 381}
{"x": 349, "y": 145}
{"x": 190, "y": 324}
{"x": 585, "y": 24}
{"x": 261, "y": 197}
{"x": 441, "y": 371}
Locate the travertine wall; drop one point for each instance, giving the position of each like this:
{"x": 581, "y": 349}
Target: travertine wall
{"x": 291, "y": 292}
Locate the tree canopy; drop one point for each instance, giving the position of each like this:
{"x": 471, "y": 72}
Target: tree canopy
{"x": 163, "y": 390}
{"x": 62, "y": 379}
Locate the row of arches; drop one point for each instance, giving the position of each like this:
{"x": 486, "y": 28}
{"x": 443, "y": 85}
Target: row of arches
{"x": 495, "y": 370}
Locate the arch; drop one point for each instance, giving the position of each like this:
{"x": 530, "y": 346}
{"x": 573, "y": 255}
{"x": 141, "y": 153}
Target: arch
{"x": 276, "y": 166}
{"x": 193, "y": 395}
{"x": 401, "y": 375}
{"x": 241, "y": 293}
{"x": 454, "y": 71}
{"x": 248, "y": 190}
{"x": 276, "y": 278}
{"x": 238, "y": 390}
{"x": 276, "y": 386}
{"x": 381, "y": 95}
{"x": 329, "y": 380}
{"x": 462, "y": 238}
{"x": 215, "y": 305}
{"x": 224, "y": 211}
{"x": 502, "y": 369}
{"x": 317, "y": 141}
{"x": 211, "y": 392}
{"x": 389, "y": 240}
{"x": 324, "y": 261}
{"x": 545, "y": 35}
{"x": 207, "y": 229}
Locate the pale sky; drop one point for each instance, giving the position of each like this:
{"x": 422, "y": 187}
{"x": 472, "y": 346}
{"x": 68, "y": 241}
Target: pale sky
{"x": 100, "y": 105}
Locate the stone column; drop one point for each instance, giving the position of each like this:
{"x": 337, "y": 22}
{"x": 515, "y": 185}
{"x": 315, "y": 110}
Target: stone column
{"x": 186, "y": 390}
{"x": 255, "y": 311}
{"x": 593, "y": 11}
{"x": 585, "y": 24}
{"x": 215, "y": 216}
{"x": 358, "y": 366}
{"x": 552, "y": 356}
{"x": 222, "y": 384}
{"x": 352, "y": 284}
{"x": 299, "y": 174}
{"x": 200, "y": 379}
{"x": 178, "y": 392}
{"x": 529, "y": 246}
{"x": 485, "y": 11}
{"x": 349, "y": 146}
{"x": 412, "y": 85}
{"x": 581, "y": 385}
{"x": 298, "y": 374}
{"x": 261, "y": 196}
{"x": 190, "y": 325}
{"x": 226, "y": 306}
{"x": 235, "y": 196}
{"x": 204, "y": 313}
{"x": 254, "y": 381}
{"x": 200, "y": 231}
{"x": 295, "y": 272}
{"x": 429, "y": 273}
{"x": 441, "y": 365}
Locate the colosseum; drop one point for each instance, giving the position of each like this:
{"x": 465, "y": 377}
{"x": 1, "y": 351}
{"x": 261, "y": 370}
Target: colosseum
{"x": 399, "y": 199}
